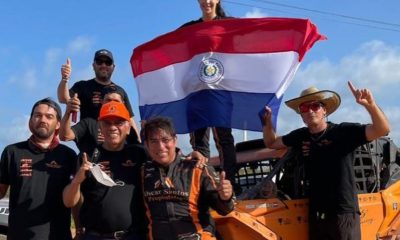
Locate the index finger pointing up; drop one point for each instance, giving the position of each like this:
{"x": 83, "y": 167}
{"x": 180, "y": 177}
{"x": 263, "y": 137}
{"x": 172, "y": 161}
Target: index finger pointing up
{"x": 352, "y": 88}
{"x": 222, "y": 176}
{"x": 85, "y": 158}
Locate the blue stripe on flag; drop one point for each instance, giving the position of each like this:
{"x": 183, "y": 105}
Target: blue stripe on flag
{"x": 215, "y": 108}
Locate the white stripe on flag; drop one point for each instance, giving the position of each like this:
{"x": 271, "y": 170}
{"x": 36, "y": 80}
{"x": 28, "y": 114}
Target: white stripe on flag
{"x": 252, "y": 73}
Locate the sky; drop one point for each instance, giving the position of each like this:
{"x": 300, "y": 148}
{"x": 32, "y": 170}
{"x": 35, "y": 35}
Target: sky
{"x": 36, "y": 38}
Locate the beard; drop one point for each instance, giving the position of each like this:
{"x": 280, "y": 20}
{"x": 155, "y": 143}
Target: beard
{"x": 103, "y": 76}
{"x": 42, "y": 133}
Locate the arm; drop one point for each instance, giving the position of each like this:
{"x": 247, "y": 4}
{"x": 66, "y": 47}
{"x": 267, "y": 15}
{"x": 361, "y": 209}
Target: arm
{"x": 72, "y": 192}
{"x": 75, "y": 215}
{"x": 4, "y": 172}
{"x": 62, "y": 89}
{"x": 271, "y": 140}
{"x": 201, "y": 161}
{"x": 66, "y": 133}
{"x": 380, "y": 125}
{"x": 3, "y": 190}
{"x": 134, "y": 126}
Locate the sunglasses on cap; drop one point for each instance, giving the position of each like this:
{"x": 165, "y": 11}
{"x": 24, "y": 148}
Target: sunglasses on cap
{"x": 100, "y": 62}
{"x": 314, "y": 106}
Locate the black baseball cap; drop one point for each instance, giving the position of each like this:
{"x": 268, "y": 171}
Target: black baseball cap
{"x": 105, "y": 53}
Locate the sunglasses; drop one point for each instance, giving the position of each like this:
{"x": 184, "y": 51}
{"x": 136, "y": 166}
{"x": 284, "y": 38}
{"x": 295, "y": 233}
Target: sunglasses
{"x": 314, "y": 106}
{"x": 101, "y": 61}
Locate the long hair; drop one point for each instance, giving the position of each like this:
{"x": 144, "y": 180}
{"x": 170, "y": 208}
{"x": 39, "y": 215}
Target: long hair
{"x": 220, "y": 11}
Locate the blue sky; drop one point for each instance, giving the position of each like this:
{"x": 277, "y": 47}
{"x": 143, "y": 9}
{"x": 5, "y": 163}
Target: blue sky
{"x": 37, "y": 36}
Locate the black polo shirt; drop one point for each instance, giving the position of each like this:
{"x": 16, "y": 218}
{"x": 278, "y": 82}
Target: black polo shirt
{"x": 37, "y": 179}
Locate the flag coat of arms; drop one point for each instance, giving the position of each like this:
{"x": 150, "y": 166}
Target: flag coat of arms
{"x": 220, "y": 73}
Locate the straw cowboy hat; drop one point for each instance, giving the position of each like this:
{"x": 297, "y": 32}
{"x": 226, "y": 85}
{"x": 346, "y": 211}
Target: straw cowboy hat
{"x": 330, "y": 99}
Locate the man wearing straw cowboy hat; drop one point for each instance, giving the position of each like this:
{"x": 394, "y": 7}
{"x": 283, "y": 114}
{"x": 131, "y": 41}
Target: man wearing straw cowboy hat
{"x": 323, "y": 145}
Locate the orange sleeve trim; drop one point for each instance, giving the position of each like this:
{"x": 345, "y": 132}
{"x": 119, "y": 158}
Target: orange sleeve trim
{"x": 148, "y": 214}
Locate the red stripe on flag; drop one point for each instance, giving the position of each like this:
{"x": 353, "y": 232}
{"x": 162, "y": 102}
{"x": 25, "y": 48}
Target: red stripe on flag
{"x": 234, "y": 35}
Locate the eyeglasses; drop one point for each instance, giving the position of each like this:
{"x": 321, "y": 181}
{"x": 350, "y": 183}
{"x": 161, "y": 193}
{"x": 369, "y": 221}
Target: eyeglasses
{"x": 101, "y": 61}
{"x": 164, "y": 140}
{"x": 314, "y": 106}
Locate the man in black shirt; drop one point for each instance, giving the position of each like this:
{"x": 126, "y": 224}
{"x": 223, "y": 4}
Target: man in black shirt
{"x": 36, "y": 171}
{"x": 90, "y": 93}
{"x": 327, "y": 151}
{"x": 86, "y": 133}
{"x": 112, "y": 205}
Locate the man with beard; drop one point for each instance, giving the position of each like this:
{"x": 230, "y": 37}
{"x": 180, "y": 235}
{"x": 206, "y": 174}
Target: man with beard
{"x": 91, "y": 92}
{"x": 36, "y": 171}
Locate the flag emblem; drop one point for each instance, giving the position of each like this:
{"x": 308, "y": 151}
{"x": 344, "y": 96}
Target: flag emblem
{"x": 211, "y": 70}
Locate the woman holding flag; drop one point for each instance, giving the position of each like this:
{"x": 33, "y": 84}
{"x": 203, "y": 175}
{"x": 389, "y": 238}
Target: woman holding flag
{"x": 199, "y": 139}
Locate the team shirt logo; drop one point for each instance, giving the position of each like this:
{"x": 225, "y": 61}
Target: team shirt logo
{"x": 128, "y": 163}
{"x": 96, "y": 97}
{"x": 53, "y": 164}
{"x": 25, "y": 168}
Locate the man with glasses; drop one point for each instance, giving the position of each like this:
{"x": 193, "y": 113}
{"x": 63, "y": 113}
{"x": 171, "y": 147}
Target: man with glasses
{"x": 36, "y": 171}
{"x": 112, "y": 206}
{"x": 90, "y": 93}
{"x": 326, "y": 150}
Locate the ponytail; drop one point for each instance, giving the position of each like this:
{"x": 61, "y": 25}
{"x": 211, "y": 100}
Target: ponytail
{"x": 220, "y": 11}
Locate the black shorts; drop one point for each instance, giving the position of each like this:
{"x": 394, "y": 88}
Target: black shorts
{"x": 341, "y": 226}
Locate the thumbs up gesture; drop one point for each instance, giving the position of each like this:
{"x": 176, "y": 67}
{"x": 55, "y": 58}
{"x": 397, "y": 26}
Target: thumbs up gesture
{"x": 66, "y": 70}
{"x": 225, "y": 187}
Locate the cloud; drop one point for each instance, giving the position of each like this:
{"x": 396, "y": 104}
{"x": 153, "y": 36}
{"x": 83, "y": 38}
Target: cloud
{"x": 255, "y": 13}
{"x": 14, "y": 131}
{"x": 26, "y": 80}
{"x": 374, "y": 65}
{"x": 51, "y": 61}
{"x": 80, "y": 44}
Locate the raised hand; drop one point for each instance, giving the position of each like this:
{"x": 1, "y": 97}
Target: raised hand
{"x": 73, "y": 104}
{"x": 363, "y": 96}
{"x": 267, "y": 117}
{"x": 66, "y": 70}
{"x": 224, "y": 187}
{"x": 86, "y": 165}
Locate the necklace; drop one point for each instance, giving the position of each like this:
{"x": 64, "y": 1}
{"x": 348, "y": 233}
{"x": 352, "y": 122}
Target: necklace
{"x": 317, "y": 136}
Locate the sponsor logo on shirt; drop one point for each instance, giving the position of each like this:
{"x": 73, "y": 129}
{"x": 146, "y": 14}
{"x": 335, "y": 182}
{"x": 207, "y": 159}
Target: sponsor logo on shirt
{"x": 96, "y": 97}
{"x": 53, "y": 164}
{"x": 128, "y": 163}
{"x": 25, "y": 168}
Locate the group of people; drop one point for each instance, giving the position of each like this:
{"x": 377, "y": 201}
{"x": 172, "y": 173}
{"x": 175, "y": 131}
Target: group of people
{"x": 122, "y": 186}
